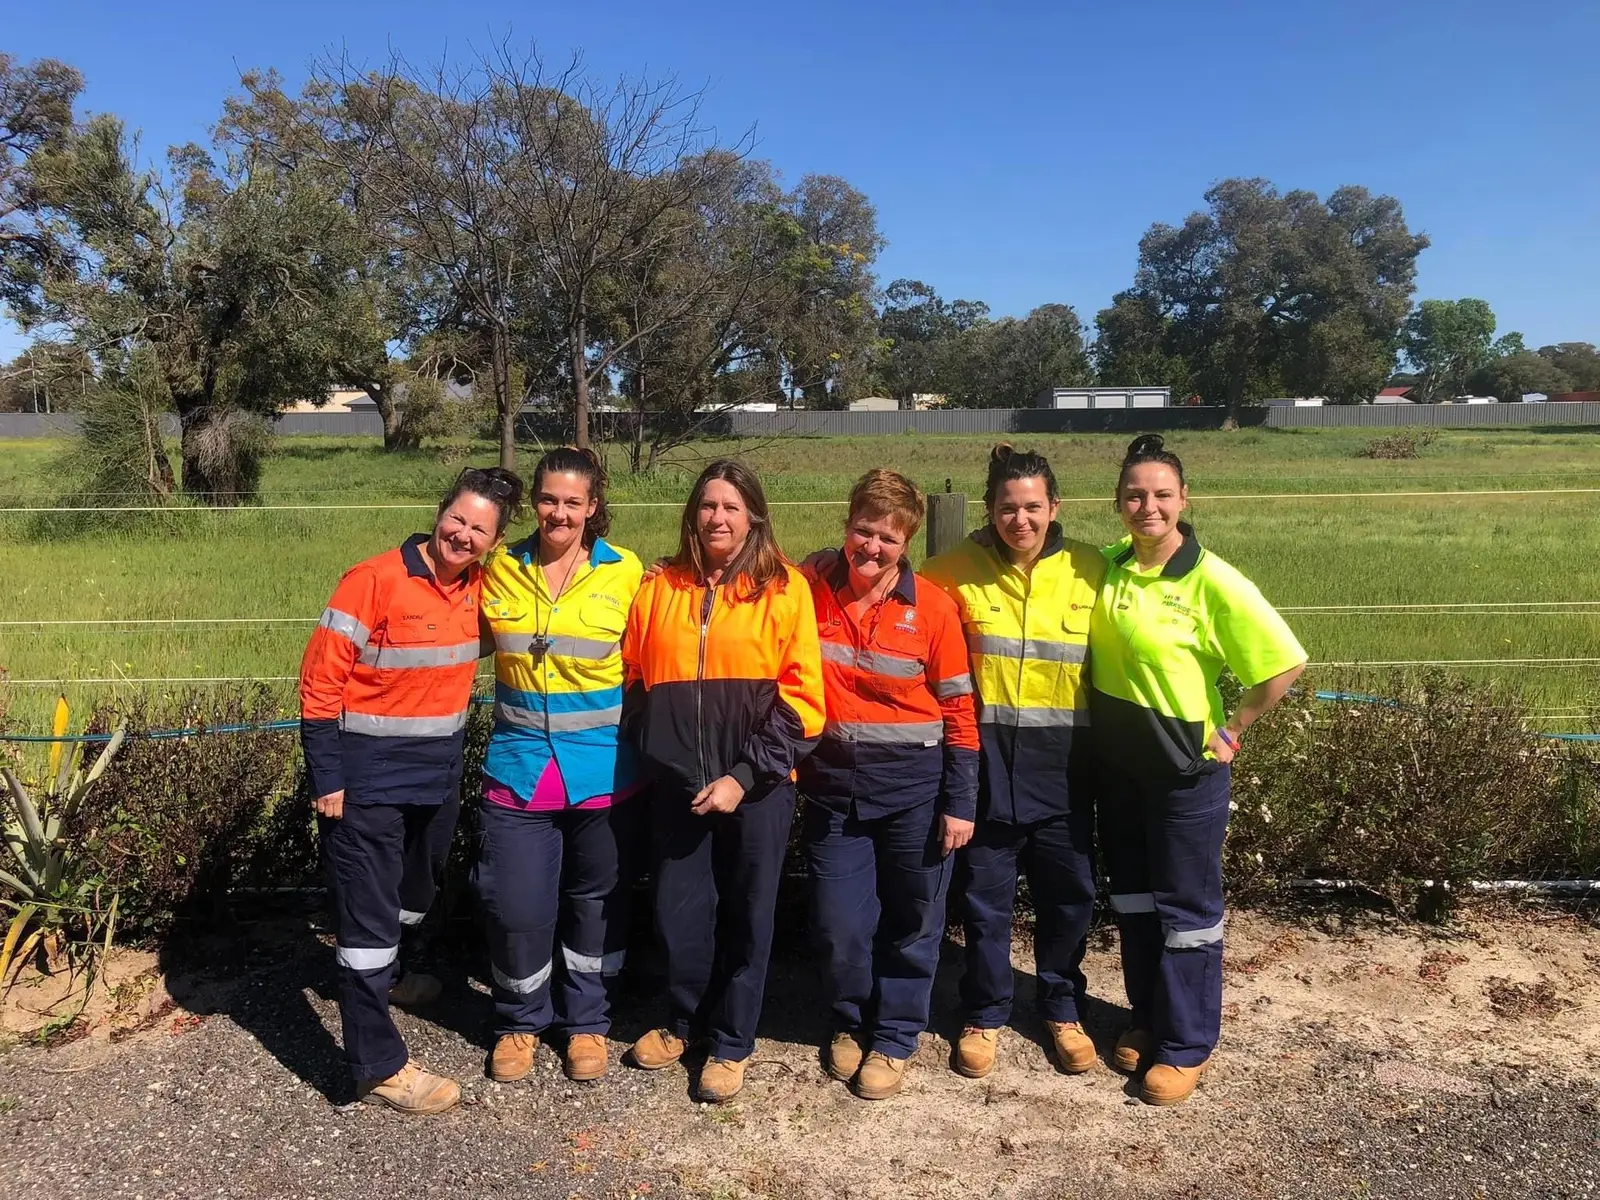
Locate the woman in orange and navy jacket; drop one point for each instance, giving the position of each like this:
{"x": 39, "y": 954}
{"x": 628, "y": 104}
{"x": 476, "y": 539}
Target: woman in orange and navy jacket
{"x": 892, "y": 789}
{"x": 723, "y": 699}
{"x": 385, "y": 685}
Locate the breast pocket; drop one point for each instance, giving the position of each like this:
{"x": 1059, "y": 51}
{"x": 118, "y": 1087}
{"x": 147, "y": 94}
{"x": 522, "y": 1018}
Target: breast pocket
{"x": 898, "y": 665}
{"x": 603, "y": 619}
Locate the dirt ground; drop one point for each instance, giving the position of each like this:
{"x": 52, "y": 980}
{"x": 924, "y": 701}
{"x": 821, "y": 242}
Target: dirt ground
{"x": 1360, "y": 1058}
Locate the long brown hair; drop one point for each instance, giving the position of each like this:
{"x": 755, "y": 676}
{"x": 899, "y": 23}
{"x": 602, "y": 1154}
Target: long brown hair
{"x": 760, "y": 564}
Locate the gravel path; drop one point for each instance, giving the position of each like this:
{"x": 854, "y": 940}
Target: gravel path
{"x": 240, "y": 1092}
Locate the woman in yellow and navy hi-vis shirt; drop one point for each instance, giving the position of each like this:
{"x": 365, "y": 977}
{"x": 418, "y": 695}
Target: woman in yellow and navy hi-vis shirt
{"x": 724, "y": 699}
{"x": 558, "y": 825}
{"x": 1171, "y": 617}
{"x": 1025, "y": 594}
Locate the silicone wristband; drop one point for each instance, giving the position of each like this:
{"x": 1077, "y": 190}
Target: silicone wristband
{"x": 1233, "y": 742}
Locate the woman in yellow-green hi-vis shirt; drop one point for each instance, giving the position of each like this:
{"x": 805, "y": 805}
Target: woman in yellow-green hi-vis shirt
{"x": 1171, "y": 616}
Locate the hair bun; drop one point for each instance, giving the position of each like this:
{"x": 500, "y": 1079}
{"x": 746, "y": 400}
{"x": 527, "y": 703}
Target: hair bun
{"x": 1001, "y": 452}
{"x": 1145, "y": 444}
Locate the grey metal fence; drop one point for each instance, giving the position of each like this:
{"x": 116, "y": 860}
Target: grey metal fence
{"x": 553, "y": 427}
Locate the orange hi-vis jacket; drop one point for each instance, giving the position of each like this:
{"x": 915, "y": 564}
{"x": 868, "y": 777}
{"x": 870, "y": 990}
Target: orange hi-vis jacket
{"x": 902, "y": 723}
{"x": 386, "y": 681}
{"x": 719, "y": 682}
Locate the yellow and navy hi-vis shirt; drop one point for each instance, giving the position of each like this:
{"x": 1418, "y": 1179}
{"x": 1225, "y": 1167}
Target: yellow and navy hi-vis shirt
{"x": 1027, "y": 640}
{"x": 558, "y": 670}
{"x": 1161, "y": 638}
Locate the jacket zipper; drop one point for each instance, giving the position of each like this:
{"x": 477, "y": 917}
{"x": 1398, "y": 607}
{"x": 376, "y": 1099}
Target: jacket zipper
{"x": 700, "y": 684}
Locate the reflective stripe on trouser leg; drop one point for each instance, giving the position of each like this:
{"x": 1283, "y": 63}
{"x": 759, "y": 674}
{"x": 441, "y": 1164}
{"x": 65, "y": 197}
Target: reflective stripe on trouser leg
{"x": 1186, "y": 879}
{"x": 516, "y": 879}
{"x": 428, "y": 834}
{"x": 592, "y": 929}
{"x": 362, "y": 854}
{"x": 1120, "y": 810}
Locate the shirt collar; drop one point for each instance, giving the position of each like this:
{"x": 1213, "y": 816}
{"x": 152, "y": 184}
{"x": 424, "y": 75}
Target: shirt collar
{"x": 411, "y": 555}
{"x": 599, "y": 554}
{"x": 1181, "y": 563}
{"x": 904, "y": 590}
{"x": 1054, "y": 541}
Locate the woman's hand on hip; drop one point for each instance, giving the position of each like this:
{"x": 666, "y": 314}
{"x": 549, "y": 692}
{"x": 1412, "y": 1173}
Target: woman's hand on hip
{"x": 1220, "y": 749}
{"x": 957, "y": 833}
{"x": 331, "y": 805}
{"x": 721, "y": 796}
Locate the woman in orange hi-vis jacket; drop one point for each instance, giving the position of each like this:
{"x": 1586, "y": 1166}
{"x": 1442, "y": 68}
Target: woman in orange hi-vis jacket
{"x": 723, "y": 698}
{"x": 385, "y": 685}
{"x": 892, "y": 788}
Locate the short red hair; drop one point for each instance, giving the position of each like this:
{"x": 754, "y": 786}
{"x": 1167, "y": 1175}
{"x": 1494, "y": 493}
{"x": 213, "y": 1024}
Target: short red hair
{"x": 881, "y": 494}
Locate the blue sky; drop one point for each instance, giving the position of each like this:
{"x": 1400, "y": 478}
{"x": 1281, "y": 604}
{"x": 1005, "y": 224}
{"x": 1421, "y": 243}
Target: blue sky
{"x": 1016, "y": 152}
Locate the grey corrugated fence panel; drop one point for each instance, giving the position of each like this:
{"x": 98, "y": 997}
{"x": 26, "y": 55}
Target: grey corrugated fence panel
{"x": 332, "y": 424}
{"x": 1439, "y": 416}
{"x": 979, "y": 420}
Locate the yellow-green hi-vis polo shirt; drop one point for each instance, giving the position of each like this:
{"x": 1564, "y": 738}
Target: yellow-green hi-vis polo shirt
{"x": 1158, "y": 641}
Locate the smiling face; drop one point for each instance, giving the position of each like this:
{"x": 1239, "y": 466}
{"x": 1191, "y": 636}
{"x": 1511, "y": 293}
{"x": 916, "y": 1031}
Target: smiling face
{"x": 1150, "y": 499}
{"x": 563, "y": 503}
{"x": 722, "y": 522}
{"x": 1022, "y": 513}
{"x": 466, "y": 531}
{"x": 873, "y": 548}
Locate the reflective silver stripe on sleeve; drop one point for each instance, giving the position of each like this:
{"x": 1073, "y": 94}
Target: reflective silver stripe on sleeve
{"x": 593, "y": 964}
{"x": 344, "y": 625}
{"x": 565, "y": 722}
{"x": 405, "y": 657}
{"x": 374, "y": 726}
{"x": 1042, "y": 651}
{"x": 909, "y": 733}
{"x": 1189, "y": 939}
{"x": 567, "y": 647}
{"x": 956, "y": 685}
{"x": 1133, "y": 902}
{"x": 407, "y": 917}
{"x": 362, "y": 958}
{"x": 522, "y": 987}
{"x": 892, "y": 666}
{"x": 1031, "y": 718}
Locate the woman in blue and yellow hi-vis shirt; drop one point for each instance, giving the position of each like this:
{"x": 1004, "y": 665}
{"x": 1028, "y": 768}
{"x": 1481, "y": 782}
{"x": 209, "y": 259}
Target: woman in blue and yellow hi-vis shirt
{"x": 1171, "y": 617}
{"x": 558, "y": 824}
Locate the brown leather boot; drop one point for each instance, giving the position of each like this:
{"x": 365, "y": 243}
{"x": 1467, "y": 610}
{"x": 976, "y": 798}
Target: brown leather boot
{"x": 512, "y": 1057}
{"x": 586, "y": 1057}
{"x": 976, "y": 1050}
{"x": 1165, "y": 1084}
{"x": 881, "y": 1076}
{"x": 1135, "y": 1048}
{"x": 412, "y": 1090}
{"x": 1074, "y": 1050}
{"x": 843, "y": 1057}
{"x": 721, "y": 1079}
{"x": 658, "y": 1048}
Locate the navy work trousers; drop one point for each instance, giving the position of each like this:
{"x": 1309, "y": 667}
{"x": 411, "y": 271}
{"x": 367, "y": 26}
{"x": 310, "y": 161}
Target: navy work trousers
{"x": 877, "y": 907}
{"x": 1057, "y": 857}
{"x": 716, "y": 885}
{"x": 1162, "y": 844}
{"x": 550, "y": 880}
{"x": 384, "y": 864}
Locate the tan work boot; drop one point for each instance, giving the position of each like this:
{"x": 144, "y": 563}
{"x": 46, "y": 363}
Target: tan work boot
{"x": 586, "y": 1057}
{"x": 1134, "y": 1050}
{"x": 412, "y": 1090}
{"x": 414, "y": 989}
{"x": 1074, "y": 1050}
{"x": 658, "y": 1048}
{"x": 881, "y": 1076}
{"x": 1165, "y": 1084}
{"x": 721, "y": 1079}
{"x": 843, "y": 1057}
{"x": 512, "y": 1057}
{"x": 976, "y": 1050}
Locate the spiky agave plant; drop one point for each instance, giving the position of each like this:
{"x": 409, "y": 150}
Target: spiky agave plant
{"x": 37, "y": 875}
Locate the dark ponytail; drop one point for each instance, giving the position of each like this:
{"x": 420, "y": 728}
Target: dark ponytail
{"x": 585, "y": 463}
{"x": 500, "y": 487}
{"x": 1147, "y": 448}
{"x": 1007, "y": 463}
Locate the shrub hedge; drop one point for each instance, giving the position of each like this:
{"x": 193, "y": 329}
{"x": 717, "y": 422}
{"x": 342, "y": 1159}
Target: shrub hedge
{"x": 1444, "y": 781}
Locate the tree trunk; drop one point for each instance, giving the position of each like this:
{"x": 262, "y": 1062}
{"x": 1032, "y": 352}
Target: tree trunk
{"x": 580, "y": 382}
{"x": 394, "y": 431}
{"x": 505, "y": 403}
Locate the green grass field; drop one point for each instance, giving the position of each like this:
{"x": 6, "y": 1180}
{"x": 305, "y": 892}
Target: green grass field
{"x": 1510, "y": 523}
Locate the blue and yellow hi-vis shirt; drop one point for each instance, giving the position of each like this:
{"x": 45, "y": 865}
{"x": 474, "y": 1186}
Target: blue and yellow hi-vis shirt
{"x": 558, "y": 671}
{"x": 1158, "y": 641}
